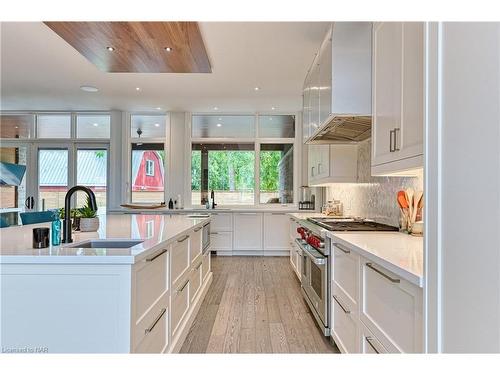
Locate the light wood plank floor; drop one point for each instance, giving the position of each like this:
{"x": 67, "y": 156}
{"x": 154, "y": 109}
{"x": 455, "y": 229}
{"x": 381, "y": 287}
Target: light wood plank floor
{"x": 254, "y": 305}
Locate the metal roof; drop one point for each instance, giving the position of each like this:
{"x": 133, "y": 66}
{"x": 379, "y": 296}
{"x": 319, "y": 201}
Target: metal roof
{"x": 53, "y": 167}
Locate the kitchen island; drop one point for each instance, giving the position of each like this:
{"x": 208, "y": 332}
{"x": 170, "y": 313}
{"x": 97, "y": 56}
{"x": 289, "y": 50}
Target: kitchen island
{"x": 76, "y": 299}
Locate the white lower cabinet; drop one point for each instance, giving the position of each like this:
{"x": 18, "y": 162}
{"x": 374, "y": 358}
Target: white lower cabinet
{"x": 276, "y": 232}
{"x": 195, "y": 280}
{"x": 369, "y": 344}
{"x": 180, "y": 305}
{"x": 373, "y": 310}
{"x": 345, "y": 320}
{"x": 248, "y": 233}
{"x": 152, "y": 331}
{"x": 391, "y": 308}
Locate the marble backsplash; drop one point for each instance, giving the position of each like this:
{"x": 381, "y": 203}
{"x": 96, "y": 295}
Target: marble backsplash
{"x": 374, "y": 197}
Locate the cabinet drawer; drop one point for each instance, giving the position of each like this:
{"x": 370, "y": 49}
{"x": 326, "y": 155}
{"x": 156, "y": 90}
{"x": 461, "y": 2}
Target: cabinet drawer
{"x": 150, "y": 281}
{"x": 392, "y": 309}
{"x": 195, "y": 280}
{"x": 221, "y": 222}
{"x": 369, "y": 344}
{"x": 180, "y": 305}
{"x": 179, "y": 258}
{"x": 346, "y": 271}
{"x": 151, "y": 333}
{"x": 205, "y": 267}
{"x": 345, "y": 325}
{"x": 195, "y": 243}
{"x": 221, "y": 240}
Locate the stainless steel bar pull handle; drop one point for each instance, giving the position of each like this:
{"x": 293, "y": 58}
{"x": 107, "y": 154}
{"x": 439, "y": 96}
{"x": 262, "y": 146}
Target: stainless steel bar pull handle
{"x": 342, "y": 248}
{"x": 391, "y": 133}
{"x": 183, "y": 238}
{"x": 370, "y": 265}
{"x": 369, "y": 340}
{"x": 340, "y": 304}
{"x": 396, "y": 148}
{"x": 156, "y": 256}
{"x": 181, "y": 289}
{"x": 197, "y": 229}
{"x": 150, "y": 328}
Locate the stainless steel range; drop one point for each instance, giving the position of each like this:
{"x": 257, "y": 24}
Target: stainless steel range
{"x": 316, "y": 266}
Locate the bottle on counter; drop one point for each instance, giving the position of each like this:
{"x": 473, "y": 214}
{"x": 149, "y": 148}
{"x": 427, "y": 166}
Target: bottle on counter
{"x": 170, "y": 204}
{"x": 56, "y": 232}
{"x": 175, "y": 205}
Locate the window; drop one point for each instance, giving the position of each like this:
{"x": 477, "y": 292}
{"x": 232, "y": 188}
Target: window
{"x": 150, "y": 167}
{"x": 276, "y": 173}
{"x": 54, "y": 126}
{"x": 91, "y": 171}
{"x": 93, "y": 126}
{"x": 148, "y": 172}
{"x": 227, "y": 169}
{"x": 277, "y": 126}
{"x": 13, "y": 163}
{"x": 223, "y": 126}
{"x": 16, "y": 126}
{"x": 147, "y": 126}
{"x": 52, "y": 177}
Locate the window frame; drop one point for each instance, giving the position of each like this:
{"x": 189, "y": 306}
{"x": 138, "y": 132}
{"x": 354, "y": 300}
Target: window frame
{"x": 128, "y": 140}
{"x": 257, "y": 141}
{"x": 71, "y": 144}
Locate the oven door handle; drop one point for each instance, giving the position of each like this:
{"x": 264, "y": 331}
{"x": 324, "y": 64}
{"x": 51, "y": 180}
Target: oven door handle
{"x": 320, "y": 261}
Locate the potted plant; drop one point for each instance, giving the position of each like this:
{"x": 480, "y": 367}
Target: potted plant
{"x": 89, "y": 222}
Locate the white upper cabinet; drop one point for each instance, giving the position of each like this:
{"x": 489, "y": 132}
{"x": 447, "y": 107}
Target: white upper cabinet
{"x": 306, "y": 107}
{"x": 398, "y": 109}
{"x": 314, "y": 97}
{"x": 332, "y": 163}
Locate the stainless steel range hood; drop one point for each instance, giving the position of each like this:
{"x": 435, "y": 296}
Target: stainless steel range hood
{"x": 344, "y": 85}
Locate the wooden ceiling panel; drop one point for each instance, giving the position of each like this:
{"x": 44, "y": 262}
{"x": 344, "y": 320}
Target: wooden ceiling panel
{"x": 139, "y": 47}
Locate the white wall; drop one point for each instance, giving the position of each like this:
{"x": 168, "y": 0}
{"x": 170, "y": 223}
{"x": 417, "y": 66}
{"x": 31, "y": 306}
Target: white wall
{"x": 463, "y": 166}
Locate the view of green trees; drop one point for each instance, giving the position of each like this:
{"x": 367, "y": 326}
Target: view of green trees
{"x": 234, "y": 170}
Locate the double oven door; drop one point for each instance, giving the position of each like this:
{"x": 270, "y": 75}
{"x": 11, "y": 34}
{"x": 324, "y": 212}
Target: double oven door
{"x": 315, "y": 283}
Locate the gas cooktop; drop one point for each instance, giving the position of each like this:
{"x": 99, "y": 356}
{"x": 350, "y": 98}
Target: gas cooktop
{"x": 351, "y": 224}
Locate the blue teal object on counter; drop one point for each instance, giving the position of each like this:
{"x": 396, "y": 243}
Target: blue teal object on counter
{"x": 37, "y": 217}
{"x": 3, "y": 223}
{"x": 56, "y": 233}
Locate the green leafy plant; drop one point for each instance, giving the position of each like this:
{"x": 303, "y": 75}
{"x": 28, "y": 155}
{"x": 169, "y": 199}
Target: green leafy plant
{"x": 75, "y": 212}
{"x": 87, "y": 212}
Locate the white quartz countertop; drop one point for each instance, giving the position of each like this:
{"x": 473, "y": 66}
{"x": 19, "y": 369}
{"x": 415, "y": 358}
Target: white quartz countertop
{"x": 184, "y": 211}
{"x": 155, "y": 231}
{"x": 398, "y": 252}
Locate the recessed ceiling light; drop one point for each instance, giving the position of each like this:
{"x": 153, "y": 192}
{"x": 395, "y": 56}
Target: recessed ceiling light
{"x": 273, "y": 108}
{"x": 110, "y": 49}
{"x": 216, "y": 108}
{"x": 138, "y": 89}
{"x": 157, "y": 125}
{"x": 219, "y": 125}
{"x": 256, "y": 88}
{"x": 17, "y": 127}
{"x": 89, "y": 88}
{"x": 95, "y": 124}
{"x": 168, "y": 49}
{"x": 158, "y": 108}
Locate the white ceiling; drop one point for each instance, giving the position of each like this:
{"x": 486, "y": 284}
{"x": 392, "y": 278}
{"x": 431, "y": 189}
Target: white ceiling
{"x": 40, "y": 71}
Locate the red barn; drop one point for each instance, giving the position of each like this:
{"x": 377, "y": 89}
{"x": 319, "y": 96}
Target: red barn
{"x": 147, "y": 171}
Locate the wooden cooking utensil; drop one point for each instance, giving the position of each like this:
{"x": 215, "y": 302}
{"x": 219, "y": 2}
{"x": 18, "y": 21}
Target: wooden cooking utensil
{"x": 416, "y": 200}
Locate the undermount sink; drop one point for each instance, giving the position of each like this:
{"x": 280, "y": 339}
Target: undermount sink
{"x": 110, "y": 244}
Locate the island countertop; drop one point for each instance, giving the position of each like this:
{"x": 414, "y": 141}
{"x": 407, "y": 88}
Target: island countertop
{"x": 155, "y": 231}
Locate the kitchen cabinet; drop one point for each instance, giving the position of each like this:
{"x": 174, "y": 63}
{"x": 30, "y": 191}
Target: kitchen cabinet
{"x": 195, "y": 246}
{"x": 373, "y": 310}
{"x": 247, "y": 232}
{"x": 314, "y": 96}
{"x": 397, "y": 95}
{"x": 276, "y": 231}
{"x": 391, "y": 308}
{"x": 332, "y": 163}
{"x": 369, "y": 344}
{"x": 221, "y": 232}
{"x": 306, "y": 107}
